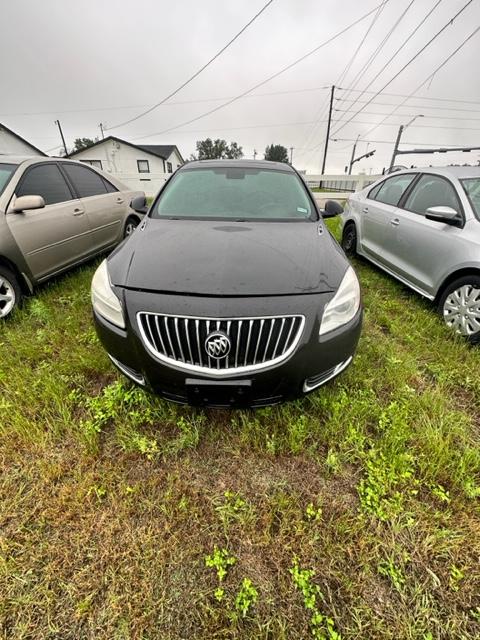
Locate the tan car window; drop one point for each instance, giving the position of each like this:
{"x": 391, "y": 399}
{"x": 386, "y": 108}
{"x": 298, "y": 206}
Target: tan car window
{"x": 47, "y": 181}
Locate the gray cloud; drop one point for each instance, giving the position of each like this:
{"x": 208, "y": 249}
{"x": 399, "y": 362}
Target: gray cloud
{"x": 92, "y": 61}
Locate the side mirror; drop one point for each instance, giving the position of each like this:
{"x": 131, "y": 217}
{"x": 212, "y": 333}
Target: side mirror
{"x": 447, "y": 215}
{"x": 26, "y": 203}
{"x": 139, "y": 204}
{"x": 332, "y": 209}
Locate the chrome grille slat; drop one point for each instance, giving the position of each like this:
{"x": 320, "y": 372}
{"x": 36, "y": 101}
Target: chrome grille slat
{"x": 259, "y": 339}
{"x": 188, "y": 340}
{"x": 267, "y": 344}
{"x": 178, "y": 340}
{"x": 255, "y": 342}
{"x": 278, "y": 339}
{"x": 237, "y": 350}
{"x": 199, "y": 349}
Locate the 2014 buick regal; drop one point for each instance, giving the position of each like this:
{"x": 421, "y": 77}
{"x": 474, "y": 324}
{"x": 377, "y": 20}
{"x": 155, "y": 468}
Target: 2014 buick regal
{"x": 231, "y": 292}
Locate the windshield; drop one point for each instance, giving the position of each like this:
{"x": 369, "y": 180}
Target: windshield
{"x": 471, "y": 187}
{"x": 235, "y": 193}
{"x": 6, "y": 172}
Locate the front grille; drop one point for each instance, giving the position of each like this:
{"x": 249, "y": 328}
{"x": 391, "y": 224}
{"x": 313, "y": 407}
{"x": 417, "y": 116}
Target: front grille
{"x": 254, "y": 343}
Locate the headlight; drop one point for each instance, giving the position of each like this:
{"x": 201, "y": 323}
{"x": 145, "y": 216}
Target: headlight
{"x": 104, "y": 301}
{"x": 344, "y": 305}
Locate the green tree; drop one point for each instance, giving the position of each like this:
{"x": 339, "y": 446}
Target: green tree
{"x": 277, "y": 153}
{"x": 83, "y": 143}
{"x": 209, "y": 149}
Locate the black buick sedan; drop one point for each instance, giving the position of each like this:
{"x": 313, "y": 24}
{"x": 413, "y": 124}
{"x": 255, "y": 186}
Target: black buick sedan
{"x": 231, "y": 292}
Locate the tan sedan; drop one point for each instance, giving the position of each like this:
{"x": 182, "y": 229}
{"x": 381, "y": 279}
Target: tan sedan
{"x": 55, "y": 214}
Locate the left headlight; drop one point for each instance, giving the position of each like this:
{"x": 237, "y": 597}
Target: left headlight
{"x": 344, "y": 305}
{"x": 104, "y": 300}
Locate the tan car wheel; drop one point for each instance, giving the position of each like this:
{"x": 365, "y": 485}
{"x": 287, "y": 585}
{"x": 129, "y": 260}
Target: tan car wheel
{"x": 10, "y": 292}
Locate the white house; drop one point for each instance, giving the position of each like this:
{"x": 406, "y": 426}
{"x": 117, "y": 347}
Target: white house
{"x": 13, "y": 144}
{"x": 143, "y": 167}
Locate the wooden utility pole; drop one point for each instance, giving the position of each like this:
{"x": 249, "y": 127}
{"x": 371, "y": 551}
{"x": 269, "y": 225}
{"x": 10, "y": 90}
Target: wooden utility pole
{"x": 332, "y": 92}
{"x": 57, "y": 122}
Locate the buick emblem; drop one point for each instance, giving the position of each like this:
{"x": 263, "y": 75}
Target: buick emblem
{"x": 217, "y": 345}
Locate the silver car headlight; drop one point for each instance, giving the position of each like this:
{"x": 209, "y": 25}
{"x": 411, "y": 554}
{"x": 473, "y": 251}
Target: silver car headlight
{"x": 344, "y": 305}
{"x": 104, "y": 300}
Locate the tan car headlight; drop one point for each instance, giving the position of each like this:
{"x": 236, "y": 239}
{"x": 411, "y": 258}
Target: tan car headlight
{"x": 344, "y": 305}
{"x": 104, "y": 300}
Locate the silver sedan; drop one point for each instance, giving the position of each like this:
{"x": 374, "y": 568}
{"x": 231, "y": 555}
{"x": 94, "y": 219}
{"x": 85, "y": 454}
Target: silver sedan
{"x": 422, "y": 226}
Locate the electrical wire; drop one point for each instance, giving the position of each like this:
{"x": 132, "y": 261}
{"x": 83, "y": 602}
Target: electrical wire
{"x": 196, "y": 74}
{"x": 321, "y": 110}
{"x": 430, "y": 77}
{"x": 373, "y": 56}
{"x": 407, "y": 64}
{"x": 275, "y": 75}
{"x": 394, "y": 55}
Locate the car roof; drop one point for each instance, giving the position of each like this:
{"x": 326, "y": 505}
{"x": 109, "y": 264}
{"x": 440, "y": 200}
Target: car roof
{"x": 449, "y": 172}
{"x": 238, "y": 164}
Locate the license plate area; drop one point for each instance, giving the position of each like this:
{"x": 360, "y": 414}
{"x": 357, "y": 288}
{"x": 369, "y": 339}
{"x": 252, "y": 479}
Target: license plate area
{"x": 218, "y": 393}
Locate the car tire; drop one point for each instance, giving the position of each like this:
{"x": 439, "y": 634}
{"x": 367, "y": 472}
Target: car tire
{"x": 130, "y": 226}
{"x": 349, "y": 239}
{"x": 459, "y": 306}
{"x": 10, "y": 292}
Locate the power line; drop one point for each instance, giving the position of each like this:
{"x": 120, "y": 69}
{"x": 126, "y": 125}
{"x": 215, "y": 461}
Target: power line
{"x": 175, "y": 103}
{"x": 404, "y": 95}
{"x": 369, "y": 62}
{"x": 320, "y": 112}
{"x": 275, "y": 75}
{"x": 416, "y": 106}
{"x": 396, "y": 52}
{"x": 421, "y": 144}
{"x": 197, "y": 73}
{"x": 430, "y": 77}
{"x": 412, "y": 59}
{"x": 411, "y": 115}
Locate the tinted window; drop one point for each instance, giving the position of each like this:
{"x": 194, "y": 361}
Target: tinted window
{"x": 47, "y": 181}
{"x": 391, "y": 190}
{"x": 432, "y": 191}
{"x": 109, "y": 186}
{"x": 6, "y": 172}
{"x": 373, "y": 193}
{"x": 233, "y": 192}
{"x": 87, "y": 182}
{"x": 471, "y": 187}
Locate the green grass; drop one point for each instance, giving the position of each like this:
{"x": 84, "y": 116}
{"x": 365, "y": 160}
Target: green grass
{"x": 352, "y": 513}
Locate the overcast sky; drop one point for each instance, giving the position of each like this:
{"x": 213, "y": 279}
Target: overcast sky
{"x": 105, "y": 61}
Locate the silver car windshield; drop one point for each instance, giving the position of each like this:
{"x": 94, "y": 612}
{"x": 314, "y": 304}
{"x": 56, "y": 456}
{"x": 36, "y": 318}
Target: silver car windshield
{"x": 471, "y": 187}
{"x": 6, "y": 172}
{"x": 235, "y": 193}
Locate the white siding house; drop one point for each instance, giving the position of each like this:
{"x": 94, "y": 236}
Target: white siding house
{"x": 141, "y": 167}
{"x": 13, "y": 144}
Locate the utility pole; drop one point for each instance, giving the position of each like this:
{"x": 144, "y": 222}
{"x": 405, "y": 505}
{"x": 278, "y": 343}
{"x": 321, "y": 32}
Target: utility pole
{"x": 395, "y": 148}
{"x": 332, "y": 92}
{"x": 401, "y": 129}
{"x": 291, "y": 154}
{"x": 353, "y": 156}
{"x": 101, "y": 130}
{"x": 57, "y": 122}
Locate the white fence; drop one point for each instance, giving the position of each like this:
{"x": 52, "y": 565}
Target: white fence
{"x": 340, "y": 183}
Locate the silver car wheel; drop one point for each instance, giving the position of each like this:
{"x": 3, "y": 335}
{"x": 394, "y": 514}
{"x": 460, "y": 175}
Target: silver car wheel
{"x": 461, "y": 310}
{"x": 7, "y": 297}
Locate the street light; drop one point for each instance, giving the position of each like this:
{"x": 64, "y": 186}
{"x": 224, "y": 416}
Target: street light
{"x": 399, "y": 135}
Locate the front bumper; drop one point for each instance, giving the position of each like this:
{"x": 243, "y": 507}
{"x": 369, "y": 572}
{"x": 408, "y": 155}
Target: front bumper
{"x": 316, "y": 359}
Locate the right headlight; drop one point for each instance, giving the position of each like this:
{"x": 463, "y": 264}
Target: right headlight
{"x": 104, "y": 300}
{"x": 344, "y": 305}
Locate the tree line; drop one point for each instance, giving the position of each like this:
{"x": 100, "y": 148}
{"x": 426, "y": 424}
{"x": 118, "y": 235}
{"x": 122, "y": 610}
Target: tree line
{"x": 209, "y": 149}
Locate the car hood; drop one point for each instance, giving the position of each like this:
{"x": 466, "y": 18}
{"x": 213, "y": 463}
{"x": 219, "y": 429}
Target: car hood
{"x": 229, "y": 258}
